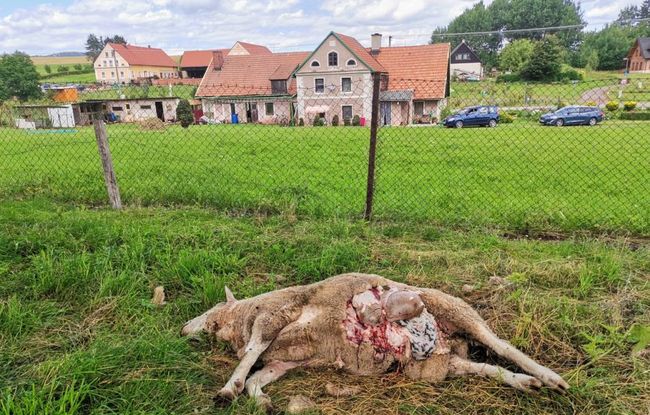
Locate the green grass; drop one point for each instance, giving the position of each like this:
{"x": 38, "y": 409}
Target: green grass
{"x": 78, "y": 334}
{"x": 82, "y": 78}
{"x": 521, "y": 176}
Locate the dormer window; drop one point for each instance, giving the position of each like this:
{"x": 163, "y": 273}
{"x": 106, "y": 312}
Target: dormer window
{"x": 315, "y": 64}
{"x": 333, "y": 59}
{"x": 351, "y": 62}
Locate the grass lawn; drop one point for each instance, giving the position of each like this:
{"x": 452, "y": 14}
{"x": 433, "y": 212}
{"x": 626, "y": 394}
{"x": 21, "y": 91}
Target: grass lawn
{"x": 522, "y": 176}
{"x": 78, "y": 332}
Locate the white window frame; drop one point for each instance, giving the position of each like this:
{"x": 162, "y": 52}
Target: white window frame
{"x": 316, "y": 88}
{"x": 351, "y": 112}
{"x": 346, "y": 92}
{"x": 266, "y": 109}
{"x": 351, "y": 65}
{"x": 328, "y": 59}
{"x": 311, "y": 64}
{"x": 415, "y": 108}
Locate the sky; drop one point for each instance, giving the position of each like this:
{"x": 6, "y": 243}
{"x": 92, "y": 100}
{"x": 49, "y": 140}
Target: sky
{"x": 43, "y": 27}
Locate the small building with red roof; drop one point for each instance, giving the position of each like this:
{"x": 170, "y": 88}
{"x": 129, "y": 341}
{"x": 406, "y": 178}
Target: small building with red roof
{"x": 122, "y": 64}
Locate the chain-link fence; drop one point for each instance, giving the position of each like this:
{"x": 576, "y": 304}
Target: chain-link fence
{"x": 572, "y": 155}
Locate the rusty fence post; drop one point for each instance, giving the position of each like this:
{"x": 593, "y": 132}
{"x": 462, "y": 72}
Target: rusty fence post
{"x": 107, "y": 164}
{"x": 374, "y": 123}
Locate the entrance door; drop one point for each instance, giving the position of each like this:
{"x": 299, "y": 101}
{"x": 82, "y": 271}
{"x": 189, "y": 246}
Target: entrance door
{"x": 385, "y": 113}
{"x": 159, "y": 111}
{"x": 251, "y": 112}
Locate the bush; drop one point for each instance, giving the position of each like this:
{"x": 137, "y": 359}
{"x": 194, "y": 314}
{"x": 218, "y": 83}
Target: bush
{"x": 591, "y": 104}
{"x": 570, "y": 75}
{"x": 335, "y": 120}
{"x": 356, "y": 121}
{"x": 78, "y": 67}
{"x": 48, "y": 69}
{"x": 636, "y": 116}
{"x": 347, "y": 122}
{"x": 513, "y": 77}
{"x": 612, "y": 105}
{"x": 505, "y": 118}
{"x": 318, "y": 121}
{"x": 301, "y": 122}
{"x": 629, "y": 105}
{"x": 184, "y": 113}
{"x": 63, "y": 68}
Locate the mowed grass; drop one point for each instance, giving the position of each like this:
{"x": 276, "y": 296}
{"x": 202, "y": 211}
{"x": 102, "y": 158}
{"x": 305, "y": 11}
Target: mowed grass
{"x": 521, "y": 176}
{"x": 78, "y": 334}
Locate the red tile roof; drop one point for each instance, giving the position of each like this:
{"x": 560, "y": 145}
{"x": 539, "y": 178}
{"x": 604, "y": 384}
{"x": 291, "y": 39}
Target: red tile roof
{"x": 198, "y": 58}
{"x": 422, "y": 69}
{"x": 250, "y": 74}
{"x": 361, "y": 52}
{"x": 144, "y": 56}
{"x": 254, "y": 49}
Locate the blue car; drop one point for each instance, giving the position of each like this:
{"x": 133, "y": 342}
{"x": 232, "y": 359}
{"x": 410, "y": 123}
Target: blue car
{"x": 473, "y": 116}
{"x": 573, "y": 115}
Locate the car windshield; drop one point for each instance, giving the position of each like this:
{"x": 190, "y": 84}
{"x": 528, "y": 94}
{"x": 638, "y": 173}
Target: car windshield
{"x": 561, "y": 111}
{"x": 465, "y": 111}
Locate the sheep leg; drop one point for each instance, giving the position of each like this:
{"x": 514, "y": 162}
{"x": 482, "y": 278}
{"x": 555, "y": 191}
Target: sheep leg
{"x": 269, "y": 373}
{"x": 459, "y": 367}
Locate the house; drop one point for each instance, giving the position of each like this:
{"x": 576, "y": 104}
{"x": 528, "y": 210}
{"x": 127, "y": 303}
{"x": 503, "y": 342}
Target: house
{"x": 250, "y": 87}
{"x": 121, "y": 64}
{"x": 638, "y": 58}
{"x": 337, "y": 79}
{"x": 194, "y": 63}
{"x": 465, "y": 62}
{"x": 44, "y": 116}
{"x": 138, "y": 109}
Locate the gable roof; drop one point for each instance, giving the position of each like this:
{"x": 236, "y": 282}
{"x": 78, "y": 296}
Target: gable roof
{"x": 199, "y": 58}
{"x": 644, "y": 44}
{"x": 243, "y": 75}
{"x": 254, "y": 49}
{"x": 464, "y": 48}
{"x": 422, "y": 69}
{"x": 356, "y": 48}
{"x": 144, "y": 56}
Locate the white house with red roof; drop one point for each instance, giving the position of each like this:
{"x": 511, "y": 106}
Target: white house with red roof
{"x": 123, "y": 64}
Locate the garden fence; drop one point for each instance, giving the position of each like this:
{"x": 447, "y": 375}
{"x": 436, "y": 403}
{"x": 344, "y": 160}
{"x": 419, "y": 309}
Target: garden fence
{"x": 347, "y": 147}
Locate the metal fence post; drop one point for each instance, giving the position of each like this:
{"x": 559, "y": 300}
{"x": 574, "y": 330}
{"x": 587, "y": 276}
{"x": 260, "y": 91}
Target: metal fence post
{"x": 107, "y": 164}
{"x": 374, "y": 123}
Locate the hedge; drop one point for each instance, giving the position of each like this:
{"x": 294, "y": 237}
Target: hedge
{"x": 635, "y": 116}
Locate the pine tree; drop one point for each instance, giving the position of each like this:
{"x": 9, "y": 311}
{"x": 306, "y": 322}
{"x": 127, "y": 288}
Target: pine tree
{"x": 545, "y": 62}
{"x": 184, "y": 113}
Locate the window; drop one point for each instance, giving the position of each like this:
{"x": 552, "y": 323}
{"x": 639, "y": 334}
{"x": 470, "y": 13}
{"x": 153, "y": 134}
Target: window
{"x": 269, "y": 108}
{"x": 319, "y": 85}
{"x": 128, "y": 106}
{"x": 112, "y": 74}
{"x": 483, "y": 110}
{"x": 346, "y": 84}
{"x": 315, "y": 64}
{"x": 346, "y": 111}
{"x": 122, "y": 74}
{"x": 107, "y": 54}
{"x": 232, "y": 108}
{"x": 117, "y": 108}
{"x": 418, "y": 108}
{"x": 333, "y": 59}
{"x": 103, "y": 74}
{"x": 145, "y": 107}
{"x": 278, "y": 87}
{"x": 351, "y": 62}
{"x": 105, "y": 63}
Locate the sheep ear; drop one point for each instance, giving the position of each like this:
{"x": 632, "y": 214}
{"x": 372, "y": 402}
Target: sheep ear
{"x": 229, "y": 297}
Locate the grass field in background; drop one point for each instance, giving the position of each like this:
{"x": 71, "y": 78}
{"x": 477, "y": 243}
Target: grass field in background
{"x": 78, "y": 331}
{"x": 521, "y": 176}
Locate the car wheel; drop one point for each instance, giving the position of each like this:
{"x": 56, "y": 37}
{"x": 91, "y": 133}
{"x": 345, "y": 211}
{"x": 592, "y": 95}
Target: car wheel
{"x": 559, "y": 122}
{"x": 593, "y": 121}
{"x": 459, "y": 124}
{"x": 492, "y": 123}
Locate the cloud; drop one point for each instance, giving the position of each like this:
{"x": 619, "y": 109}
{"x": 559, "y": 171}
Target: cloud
{"x": 197, "y": 24}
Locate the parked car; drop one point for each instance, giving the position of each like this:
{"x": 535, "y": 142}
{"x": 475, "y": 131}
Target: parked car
{"x": 479, "y": 115}
{"x": 573, "y": 115}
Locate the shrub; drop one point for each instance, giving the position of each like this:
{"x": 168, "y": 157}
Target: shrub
{"x": 612, "y": 105}
{"x": 301, "y": 122}
{"x": 318, "y": 121}
{"x": 63, "y": 68}
{"x": 184, "y": 113}
{"x": 347, "y": 122}
{"x": 335, "y": 120}
{"x": 629, "y": 105}
{"x": 591, "y": 104}
{"x": 356, "y": 121}
{"x": 78, "y": 67}
{"x": 635, "y": 116}
{"x": 505, "y": 118}
{"x": 48, "y": 69}
{"x": 570, "y": 75}
{"x": 512, "y": 77}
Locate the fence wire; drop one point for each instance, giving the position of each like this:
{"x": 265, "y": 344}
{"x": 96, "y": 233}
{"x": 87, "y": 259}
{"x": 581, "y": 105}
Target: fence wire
{"x": 469, "y": 153}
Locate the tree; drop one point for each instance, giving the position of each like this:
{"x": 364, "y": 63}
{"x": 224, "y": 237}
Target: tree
{"x": 515, "y": 55}
{"x": 18, "y": 77}
{"x": 184, "y": 113}
{"x": 591, "y": 60}
{"x": 48, "y": 69}
{"x": 94, "y": 44}
{"x": 545, "y": 62}
{"x": 612, "y": 44}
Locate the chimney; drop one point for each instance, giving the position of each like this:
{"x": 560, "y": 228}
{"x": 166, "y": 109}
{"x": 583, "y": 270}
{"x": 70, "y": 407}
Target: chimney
{"x": 390, "y": 41}
{"x": 375, "y": 43}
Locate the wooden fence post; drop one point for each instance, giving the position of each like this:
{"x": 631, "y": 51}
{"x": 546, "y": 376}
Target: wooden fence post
{"x": 107, "y": 164}
{"x": 374, "y": 123}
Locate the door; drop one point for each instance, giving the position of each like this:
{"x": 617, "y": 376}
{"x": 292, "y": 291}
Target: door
{"x": 472, "y": 117}
{"x": 385, "y": 113}
{"x": 159, "y": 111}
{"x": 251, "y": 112}
{"x": 573, "y": 116}
{"x": 482, "y": 116}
